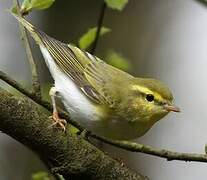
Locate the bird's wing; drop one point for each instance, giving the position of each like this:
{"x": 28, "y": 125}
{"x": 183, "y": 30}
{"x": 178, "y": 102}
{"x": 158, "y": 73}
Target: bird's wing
{"x": 96, "y": 79}
{"x": 82, "y": 67}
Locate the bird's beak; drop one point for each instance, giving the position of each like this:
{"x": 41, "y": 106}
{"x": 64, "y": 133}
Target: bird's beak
{"x": 170, "y": 107}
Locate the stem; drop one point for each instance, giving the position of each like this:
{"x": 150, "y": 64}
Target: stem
{"x": 33, "y": 66}
{"x": 100, "y": 22}
{"x": 162, "y": 153}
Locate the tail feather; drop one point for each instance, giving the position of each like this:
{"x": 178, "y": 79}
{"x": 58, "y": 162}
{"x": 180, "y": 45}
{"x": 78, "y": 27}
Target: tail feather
{"x": 33, "y": 31}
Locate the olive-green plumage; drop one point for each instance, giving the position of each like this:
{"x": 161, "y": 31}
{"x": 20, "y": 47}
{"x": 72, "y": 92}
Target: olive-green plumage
{"x": 121, "y": 106}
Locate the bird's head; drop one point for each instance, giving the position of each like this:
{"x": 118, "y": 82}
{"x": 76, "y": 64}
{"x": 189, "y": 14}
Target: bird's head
{"x": 151, "y": 100}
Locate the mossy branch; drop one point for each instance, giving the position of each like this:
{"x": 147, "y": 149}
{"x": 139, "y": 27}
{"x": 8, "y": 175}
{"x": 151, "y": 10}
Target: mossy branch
{"x": 64, "y": 153}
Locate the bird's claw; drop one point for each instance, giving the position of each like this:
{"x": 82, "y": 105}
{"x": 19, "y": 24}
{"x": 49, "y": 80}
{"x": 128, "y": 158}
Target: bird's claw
{"x": 58, "y": 121}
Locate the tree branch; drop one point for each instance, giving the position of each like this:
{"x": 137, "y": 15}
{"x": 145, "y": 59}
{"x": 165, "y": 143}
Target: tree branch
{"x": 33, "y": 66}
{"x": 162, "y": 153}
{"x": 129, "y": 146}
{"x": 37, "y": 99}
{"x": 99, "y": 25}
{"x": 20, "y": 88}
{"x": 64, "y": 153}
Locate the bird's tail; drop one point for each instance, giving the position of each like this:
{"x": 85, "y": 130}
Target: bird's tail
{"x": 33, "y": 31}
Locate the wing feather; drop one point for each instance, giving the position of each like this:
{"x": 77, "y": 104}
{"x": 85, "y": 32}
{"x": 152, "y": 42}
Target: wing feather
{"x": 78, "y": 65}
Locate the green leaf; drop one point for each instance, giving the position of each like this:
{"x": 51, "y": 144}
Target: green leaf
{"x": 117, "y": 60}
{"x": 14, "y": 9}
{"x": 41, "y": 176}
{"x": 42, "y": 4}
{"x": 116, "y": 4}
{"x": 88, "y": 38}
{"x": 28, "y": 5}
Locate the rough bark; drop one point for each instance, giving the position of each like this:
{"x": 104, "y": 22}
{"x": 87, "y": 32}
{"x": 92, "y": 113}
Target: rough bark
{"x": 65, "y": 153}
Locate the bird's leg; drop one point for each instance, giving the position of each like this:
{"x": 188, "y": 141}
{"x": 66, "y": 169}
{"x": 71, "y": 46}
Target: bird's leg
{"x": 55, "y": 117}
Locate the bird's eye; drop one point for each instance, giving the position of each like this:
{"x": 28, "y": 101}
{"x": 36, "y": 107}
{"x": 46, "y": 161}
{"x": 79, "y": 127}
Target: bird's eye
{"x": 150, "y": 97}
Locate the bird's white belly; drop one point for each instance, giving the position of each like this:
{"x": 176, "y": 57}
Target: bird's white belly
{"x": 76, "y": 103}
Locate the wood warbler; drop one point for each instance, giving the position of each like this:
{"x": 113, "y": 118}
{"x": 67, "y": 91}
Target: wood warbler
{"x": 102, "y": 98}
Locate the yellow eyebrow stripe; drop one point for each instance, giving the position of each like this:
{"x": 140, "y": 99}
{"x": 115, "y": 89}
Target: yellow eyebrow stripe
{"x": 145, "y": 90}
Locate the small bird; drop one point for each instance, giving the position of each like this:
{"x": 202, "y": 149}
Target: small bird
{"x": 102, "y": 98}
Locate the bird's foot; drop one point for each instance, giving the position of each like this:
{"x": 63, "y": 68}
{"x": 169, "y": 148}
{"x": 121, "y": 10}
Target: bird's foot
{"x": 58, "y": 121}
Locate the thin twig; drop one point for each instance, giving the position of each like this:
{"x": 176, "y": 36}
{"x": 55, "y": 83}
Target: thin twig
{"x": 129, "y": 146}
{"x": 162, "y": 153}
{"x": 33, "y": 66}
{"x": 100, "y": 22}
{"x": 20, "y": 88}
